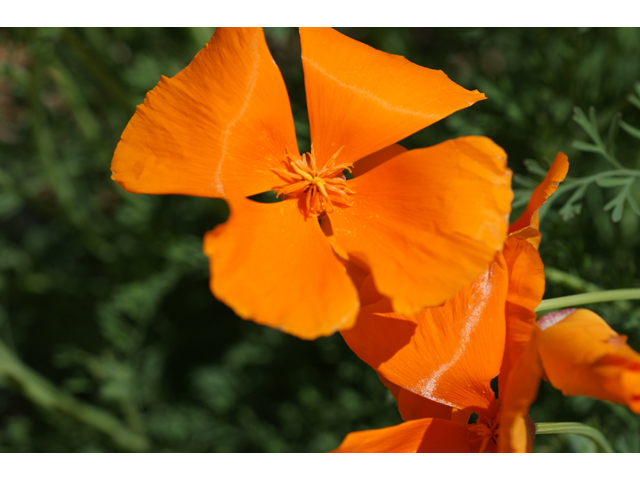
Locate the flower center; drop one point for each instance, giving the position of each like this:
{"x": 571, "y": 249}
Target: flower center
{"x": 485, "y": 431}
{"x": 321, "y": 189}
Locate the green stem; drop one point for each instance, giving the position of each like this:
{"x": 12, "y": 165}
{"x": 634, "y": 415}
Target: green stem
{"x": 591, "y": 297}
{"x": 45, "y": 394}
{"x": 578, "y": 284}
{"x": 578, "y": 429}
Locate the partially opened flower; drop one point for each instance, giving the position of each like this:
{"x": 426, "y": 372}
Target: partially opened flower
{"x": 424, "y": 223}
{"x": 582, "y": 355}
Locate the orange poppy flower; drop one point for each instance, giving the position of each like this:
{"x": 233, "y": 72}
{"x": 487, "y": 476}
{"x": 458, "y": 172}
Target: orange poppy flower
{"x": 423, "y": 222}
{"x": 440, "y": 362}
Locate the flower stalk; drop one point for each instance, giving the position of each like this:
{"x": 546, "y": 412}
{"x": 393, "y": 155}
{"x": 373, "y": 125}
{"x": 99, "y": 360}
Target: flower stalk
{"x": 577, "y": 429}
{"x": 586, "y": 298}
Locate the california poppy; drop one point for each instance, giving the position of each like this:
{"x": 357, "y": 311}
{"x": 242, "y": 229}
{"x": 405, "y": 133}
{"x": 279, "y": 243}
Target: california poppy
{"x": 440, "y": 362}
{"x": 424, "y": 223}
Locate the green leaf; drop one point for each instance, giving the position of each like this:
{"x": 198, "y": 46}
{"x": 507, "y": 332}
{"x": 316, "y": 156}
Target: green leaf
{"x": 586, "y": 147}
{"x": 634, "y": 100}
{"x": 581, "y": 119}
{"x": 630, "y": 129}
{"x": 570, "y": 208}
{"x": 617, "y": 204}
{"x": 613, "y": 182}
{"x": 524, "y": 181}
{"x": 613, "y": 130}
{"x": 633, "y": 204}
{"x": 613, "y": 202}
{"x": 616, "y": 215}
{"x": 534, "y": 167}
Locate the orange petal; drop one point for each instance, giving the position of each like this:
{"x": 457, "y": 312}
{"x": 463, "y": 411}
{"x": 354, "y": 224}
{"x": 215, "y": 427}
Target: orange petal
{"x": 370, "y": 162}
{"x": 515, "y": 432}
{"x": 412, "y": 407}
{"x": 364, "y": 99}
{"x": 526, "y": 288}
{"x": 447, "y": 354}
{"x": 368, "y": 292}
{"x": 215, "y": 128}
{"x": 393, "y": 388}
{"x": 582, "y": 355}
{"x": 275, "y": 267}
{"x": 425, "y": 435}
{"x": 428, "y": 221}
{"x": 528, "y": 224}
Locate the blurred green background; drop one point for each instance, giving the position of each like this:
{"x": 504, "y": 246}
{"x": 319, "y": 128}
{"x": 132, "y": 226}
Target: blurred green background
{"x": 105, "y": 293}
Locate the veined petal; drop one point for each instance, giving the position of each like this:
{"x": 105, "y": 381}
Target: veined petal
{"x": 582, "y": 355}
{"x": 425, "y": 435}
{"x": 364, "y": 99}
{"x": 448, "y": 354}
{"x": 528, "y": 224}
{"x": 213, "y": 130}
{"x": 428, "y": 221}
{"x": 274, "y": 266}
{"x": 521, "y": 390}
{"x": 526, "y": 288}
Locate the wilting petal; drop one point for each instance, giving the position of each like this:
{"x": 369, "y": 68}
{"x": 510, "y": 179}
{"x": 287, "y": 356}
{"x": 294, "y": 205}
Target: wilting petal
{"x": 516, "y": 431}
{"x": 369, "y": 162}
{"x": 526, "y": 288}
{"x": 527, "y": 225}
{"x": 215, "y": 128}
{"x": 275, "y": 267}
{"x": 582, "y": 355}
{"x": 428, "y": 221}
{"x": 447, "y": 354}
{"x": 364, "y": 99}
{"x": 425, "y": 435}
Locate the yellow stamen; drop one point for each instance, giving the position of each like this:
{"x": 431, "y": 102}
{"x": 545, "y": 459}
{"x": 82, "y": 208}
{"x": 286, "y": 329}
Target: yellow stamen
{"x": 323, "y": 187}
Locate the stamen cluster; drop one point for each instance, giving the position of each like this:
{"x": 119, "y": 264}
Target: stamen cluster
{"x": 323, "y": 188}
{"x": 485, "y": 431}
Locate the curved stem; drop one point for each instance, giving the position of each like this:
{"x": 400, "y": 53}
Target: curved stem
{"x": 591, "y": 297}
{"x": 45, "y": 394}
{"x": 578, "y": 429}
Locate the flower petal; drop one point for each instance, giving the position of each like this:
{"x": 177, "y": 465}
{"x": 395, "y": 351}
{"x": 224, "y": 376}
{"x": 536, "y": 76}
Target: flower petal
{"x": 582, "y": 355}
{"x": 412, "y": 407}
{"x": 215, "y": 128}
{"x": 515, "y": 432}
{"x": 526, "y": 288}
{"x": 275, "y": 267}
{"x": 425, "y": 435}
{"x": 370, "y": 162}
{"x": 448, "y": 354}
{"x": 428, "y": 221}
{"x": 528, "y": 224}
{"x": 364, "y": 99}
